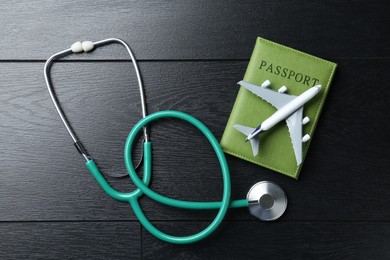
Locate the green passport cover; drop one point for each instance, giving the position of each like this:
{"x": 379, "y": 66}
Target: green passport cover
{"x": 283, "y": 66}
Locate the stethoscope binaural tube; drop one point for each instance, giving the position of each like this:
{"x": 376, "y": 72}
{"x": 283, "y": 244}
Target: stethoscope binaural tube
{"x": 87, "y": 46}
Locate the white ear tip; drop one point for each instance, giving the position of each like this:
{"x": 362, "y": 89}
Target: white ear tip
{"x": 266, "y": 83}
{"x": 87, "y": 46}
{"x": 77, "y": 47}
{"x": 305, "y": 138}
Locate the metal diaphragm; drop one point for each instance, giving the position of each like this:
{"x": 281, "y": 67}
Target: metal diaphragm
{"x": 267, "y": 201}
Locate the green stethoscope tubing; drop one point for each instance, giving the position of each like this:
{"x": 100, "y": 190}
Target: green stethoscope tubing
{"x": 142, "y": 185}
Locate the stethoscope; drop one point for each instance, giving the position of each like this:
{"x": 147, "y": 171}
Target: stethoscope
{"x": 265, "y": 200}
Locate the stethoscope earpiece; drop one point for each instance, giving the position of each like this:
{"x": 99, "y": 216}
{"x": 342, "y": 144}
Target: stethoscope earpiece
{"x": 85, "y": 46}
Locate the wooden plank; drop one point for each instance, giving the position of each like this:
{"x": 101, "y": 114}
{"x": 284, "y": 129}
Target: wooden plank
{"x": 42, "y": 177}
{"x": 194, "y": 29}
{"x": 277, "y": 240}
{"x": 70, "y": 240}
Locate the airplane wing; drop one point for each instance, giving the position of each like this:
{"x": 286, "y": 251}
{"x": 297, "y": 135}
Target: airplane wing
{"x": 294, "y": 123}
{"x": 278, "y": 100}
{"x": 255, "y": 141}
{"x": 275, "y": 98}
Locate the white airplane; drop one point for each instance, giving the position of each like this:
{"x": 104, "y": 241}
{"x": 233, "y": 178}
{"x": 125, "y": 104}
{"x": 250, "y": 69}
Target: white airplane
{"x": 289, "y": 108}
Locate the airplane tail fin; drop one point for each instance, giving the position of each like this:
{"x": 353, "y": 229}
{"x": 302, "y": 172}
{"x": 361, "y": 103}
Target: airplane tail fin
{"x": 255, "y": 141}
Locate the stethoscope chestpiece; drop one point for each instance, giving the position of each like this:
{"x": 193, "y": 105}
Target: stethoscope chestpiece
{"x": 266, "y": 201}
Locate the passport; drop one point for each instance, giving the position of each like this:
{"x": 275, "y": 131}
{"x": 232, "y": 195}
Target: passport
{"x": 282, "y": 66}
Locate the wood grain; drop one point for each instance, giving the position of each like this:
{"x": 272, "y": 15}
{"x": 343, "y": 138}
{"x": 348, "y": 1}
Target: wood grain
{"x": 33, "y": 30}
{"x": 43, "y": 177}
{"x": 279, "y": 240}
{"x": 70, "y": 240}
{"x": 192, "y": 54}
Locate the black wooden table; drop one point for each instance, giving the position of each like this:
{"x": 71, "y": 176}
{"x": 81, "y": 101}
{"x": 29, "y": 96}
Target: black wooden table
{"x": 191, "y": 55}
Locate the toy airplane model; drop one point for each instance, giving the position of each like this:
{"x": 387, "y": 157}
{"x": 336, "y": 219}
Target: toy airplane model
{"x": 289, "y": 108}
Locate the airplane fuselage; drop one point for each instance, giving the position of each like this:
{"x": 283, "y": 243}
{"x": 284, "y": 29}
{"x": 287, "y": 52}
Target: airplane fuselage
{"x": 285, "y": 111}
